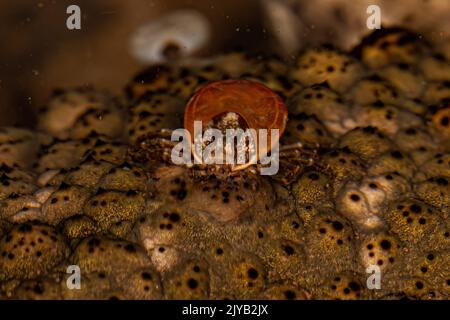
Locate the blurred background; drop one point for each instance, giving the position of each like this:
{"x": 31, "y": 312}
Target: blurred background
{"x": 40, "y": 54}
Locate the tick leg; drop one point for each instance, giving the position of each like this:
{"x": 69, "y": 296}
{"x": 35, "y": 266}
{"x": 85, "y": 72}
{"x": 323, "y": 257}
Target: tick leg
{"x": 153, "y": 146}
{"x": 304, "y": 157}
{"x": 297, "y": 145}
{"x": 293, "y": 158}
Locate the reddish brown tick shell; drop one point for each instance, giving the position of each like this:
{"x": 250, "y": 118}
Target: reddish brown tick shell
{"x": 259, "y": 106}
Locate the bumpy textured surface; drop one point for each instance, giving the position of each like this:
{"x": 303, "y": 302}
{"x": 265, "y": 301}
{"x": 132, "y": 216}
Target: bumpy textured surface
{"x": 72, "y": 193}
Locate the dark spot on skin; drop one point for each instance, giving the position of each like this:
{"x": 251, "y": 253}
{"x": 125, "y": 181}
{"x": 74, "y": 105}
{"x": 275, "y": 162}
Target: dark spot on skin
{"x": 252, "y": 273}
{"x": 174, "y": 217}
{"x": 354, "y": 286}
{"x": 181, "y": 195}
{"x": 415, "y": 208}
{"x": 290, "y": 295}
{"x": 38, "y": 289}
{"x": 397, "y": 155}
{"x": 385, "y": 244}
{"x": 289, "y": 250}
{"x": 337, "y": 225}
{"x": 130, "y": 248}
{"x": 313, "y": 176}
{"x": 378, "y": 104}
{"x": 442, "y": 181}
{"x": 192, "y": 283}
{"x": 146, "y": 276}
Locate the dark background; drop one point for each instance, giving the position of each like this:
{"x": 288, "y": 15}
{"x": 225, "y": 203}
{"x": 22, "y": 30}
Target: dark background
{"x": 38, "y": 53}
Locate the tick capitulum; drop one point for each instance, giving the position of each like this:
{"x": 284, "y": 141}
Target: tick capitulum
{"x": 233, "y": 104}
